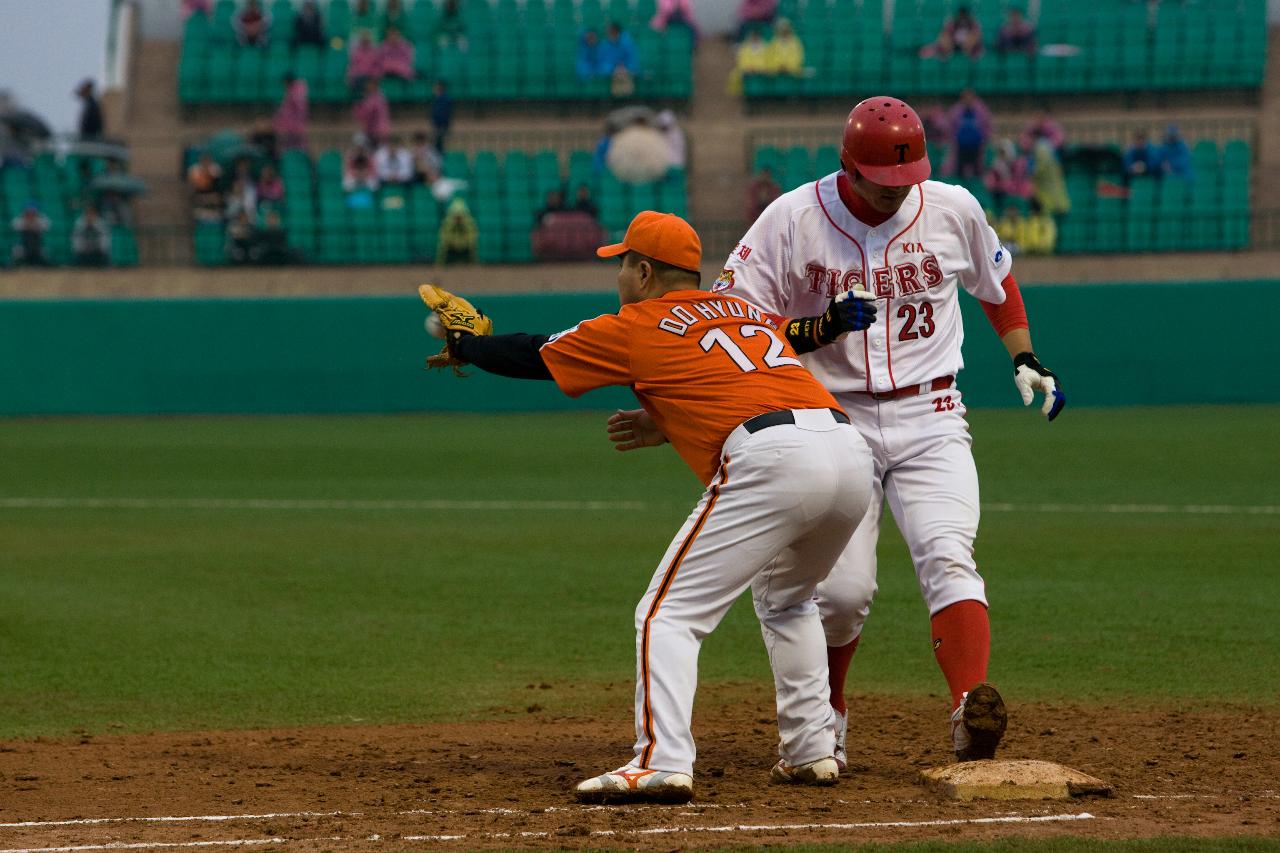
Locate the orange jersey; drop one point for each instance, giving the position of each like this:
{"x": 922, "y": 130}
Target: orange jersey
{"x": 700, "y": 363}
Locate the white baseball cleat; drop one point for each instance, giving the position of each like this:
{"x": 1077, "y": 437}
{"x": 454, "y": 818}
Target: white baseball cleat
{"x": 822, "y": 772}
{"x": 978, "y": 724}
{"x": 630, "y": 784}
{"x": 842, "y": 733}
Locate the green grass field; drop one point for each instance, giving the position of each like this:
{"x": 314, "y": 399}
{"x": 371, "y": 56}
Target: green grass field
{"x": 193, "y": 609}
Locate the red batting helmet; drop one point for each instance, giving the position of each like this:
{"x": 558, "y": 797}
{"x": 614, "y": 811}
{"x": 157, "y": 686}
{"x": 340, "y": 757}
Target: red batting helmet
{"x": 884, "y": 142}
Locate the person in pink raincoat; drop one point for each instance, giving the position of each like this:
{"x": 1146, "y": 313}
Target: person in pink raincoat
{"x": 373, "y": 113}
{"x": 365, "y": 63}
{"x": 674, "y": 12}
{"x": 290, "y": 121}
{"x": 396, "y": 55}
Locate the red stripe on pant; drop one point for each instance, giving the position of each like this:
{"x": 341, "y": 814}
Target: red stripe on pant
{"x": 663, "y": 588}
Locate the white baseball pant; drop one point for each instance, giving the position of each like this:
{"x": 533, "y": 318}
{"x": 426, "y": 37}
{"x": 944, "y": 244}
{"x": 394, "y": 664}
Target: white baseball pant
{"x": 777, "y": 515}
{"x": 924, "y": 467}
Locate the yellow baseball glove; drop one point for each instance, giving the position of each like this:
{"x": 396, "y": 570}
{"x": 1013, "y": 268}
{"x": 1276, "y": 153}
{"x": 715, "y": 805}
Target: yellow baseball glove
{"x": 457, "y": 318}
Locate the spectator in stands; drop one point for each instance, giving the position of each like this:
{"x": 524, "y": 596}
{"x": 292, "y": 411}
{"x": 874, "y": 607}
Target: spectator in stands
{"x": 1050, "y": 193}
{"x": 373, "y": 113}
{"x": 263, "y": 136}
{"x": 679, "y": 12}
{"x": 359, "y": 178}
{"x": 752, "y": 58}
{"x": 396, "y": 55}
{"x": 308, "y": 26}
{"x": 1045, "y": 126}
{"x": 583, "y": 202}
{"x": 204, "y": 179}
{"x": 1027, "y": 235}
{"x": 1008, "y": 175}
{"x": 242, "y": 198}
{"x": 29, "y": 227}
{"x": 554, "y": 203}
{"x": 427, "y": 161}
{"x": 786, "y": 52}
{"x": 252, "y": 24}
{"x": 113, "y": 204}
{"x": 754, "y": 15}
{"x": 441, "y": 113}
{"x": 458, "y": 236}
{"x": 450, "y": 26}
{"x": 240, "y": 238}
{"x": 364, "y": 17}
{"x": 191, "y": 7}
{"x": 618, "y": 50}
{"x": 91, "y": 239}
{"x": 1142, "y": 158}
{"x": 393, "y": 162}
{"x": 761, "y": 191}
{"x": 394, "y": 17}
{"x": 291, "y": 116}
{"x": 270, "y": 187}
{"x": 364, "y": 63}
{"x": 961, "y": 33}
{"x": 970, "y": 124}
{"x": 1017, "y": 34}
{"x": 1175, "y": 154}
{"x": 91, "y": 126}
{"x": 677, "y": 149}
{"x": 271, "y": 243}
{"x": 587, "y": 59}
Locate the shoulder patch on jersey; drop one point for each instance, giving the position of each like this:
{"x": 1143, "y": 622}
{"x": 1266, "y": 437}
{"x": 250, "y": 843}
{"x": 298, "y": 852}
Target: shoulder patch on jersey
{"x": 724, "y": 282}
{"x": 558, "y": 335}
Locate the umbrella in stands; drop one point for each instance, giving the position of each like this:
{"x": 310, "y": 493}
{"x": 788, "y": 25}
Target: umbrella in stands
{"x": 118, "y": 183}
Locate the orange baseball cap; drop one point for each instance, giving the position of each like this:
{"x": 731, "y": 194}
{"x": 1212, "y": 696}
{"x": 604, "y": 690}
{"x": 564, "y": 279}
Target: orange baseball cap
{"x": 662, "y": 236}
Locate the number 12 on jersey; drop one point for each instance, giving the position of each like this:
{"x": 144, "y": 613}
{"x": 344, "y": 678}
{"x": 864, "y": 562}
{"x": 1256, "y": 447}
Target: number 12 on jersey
{"x": 718, "y": 337}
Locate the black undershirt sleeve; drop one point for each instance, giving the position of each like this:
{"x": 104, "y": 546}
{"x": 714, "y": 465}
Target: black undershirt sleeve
{"x": 515, "y": 355}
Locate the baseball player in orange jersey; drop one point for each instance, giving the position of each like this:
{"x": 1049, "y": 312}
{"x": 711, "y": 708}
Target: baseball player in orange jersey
{"x": 879, "y": 223}
{"x": 787, "y": 479}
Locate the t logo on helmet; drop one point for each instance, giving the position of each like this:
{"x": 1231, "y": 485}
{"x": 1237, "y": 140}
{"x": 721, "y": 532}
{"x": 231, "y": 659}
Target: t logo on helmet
{"x": 902, "y": 150}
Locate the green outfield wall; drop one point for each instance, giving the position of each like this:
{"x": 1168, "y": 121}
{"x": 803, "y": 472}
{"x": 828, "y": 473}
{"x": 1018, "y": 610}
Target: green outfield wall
{"x": 1116, "y": 344}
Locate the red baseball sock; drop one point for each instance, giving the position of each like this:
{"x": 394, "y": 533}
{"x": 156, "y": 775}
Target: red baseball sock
{"x": 838, "y": 660}
{"x": 962, "y": 645}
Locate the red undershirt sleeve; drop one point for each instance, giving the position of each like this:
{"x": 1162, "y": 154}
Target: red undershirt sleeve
{"x": 1010, "y": 314}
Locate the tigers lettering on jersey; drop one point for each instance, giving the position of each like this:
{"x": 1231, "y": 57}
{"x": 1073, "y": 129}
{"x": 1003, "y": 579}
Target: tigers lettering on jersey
{"x": 902, "y": 279}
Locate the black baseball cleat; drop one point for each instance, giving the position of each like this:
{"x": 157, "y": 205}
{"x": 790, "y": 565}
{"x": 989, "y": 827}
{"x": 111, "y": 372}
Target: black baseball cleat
{"x": 978, "y": 724}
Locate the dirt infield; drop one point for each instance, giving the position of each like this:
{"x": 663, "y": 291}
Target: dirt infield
{"x": 505, "y": 783}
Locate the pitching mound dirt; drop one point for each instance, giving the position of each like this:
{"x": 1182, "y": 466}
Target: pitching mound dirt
{"x": 506, "y": 783}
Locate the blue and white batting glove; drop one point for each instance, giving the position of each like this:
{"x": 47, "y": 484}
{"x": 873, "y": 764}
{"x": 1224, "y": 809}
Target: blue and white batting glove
{"x": 1031, "y": 376}
{"x": 852, "y": 311}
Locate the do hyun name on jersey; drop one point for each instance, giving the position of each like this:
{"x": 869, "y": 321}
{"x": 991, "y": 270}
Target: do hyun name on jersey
{"x": 680, "y": 319}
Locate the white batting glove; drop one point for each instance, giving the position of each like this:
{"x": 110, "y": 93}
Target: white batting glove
{"x": 1031, "y": 376}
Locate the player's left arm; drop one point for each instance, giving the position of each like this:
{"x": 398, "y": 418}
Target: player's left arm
{"x": 990, "y": 279}
{"x": 1009, "y": 319}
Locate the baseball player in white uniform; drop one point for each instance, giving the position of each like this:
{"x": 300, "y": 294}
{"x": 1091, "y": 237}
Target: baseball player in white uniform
{"x": 878, "y": 223}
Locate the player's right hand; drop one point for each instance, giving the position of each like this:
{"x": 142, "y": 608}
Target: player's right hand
{"x": 631, "y": 429}
{"x": 851, "y": 311}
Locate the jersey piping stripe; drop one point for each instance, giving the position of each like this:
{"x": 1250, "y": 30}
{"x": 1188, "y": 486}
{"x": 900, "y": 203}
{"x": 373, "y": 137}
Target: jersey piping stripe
{"x": 888, "y": 335}
{"x": 866, "y": 357}
{"x": 663, "y": 588}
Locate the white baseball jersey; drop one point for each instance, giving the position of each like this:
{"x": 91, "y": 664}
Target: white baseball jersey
{"x": 807, "y": 248}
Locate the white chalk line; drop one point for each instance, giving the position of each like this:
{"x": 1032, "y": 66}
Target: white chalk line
{"x": 307, "y": 505}
{"x": 215, "y": 818}
{"x": 778, "y": 827}
{"x": 154, "y": 845}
